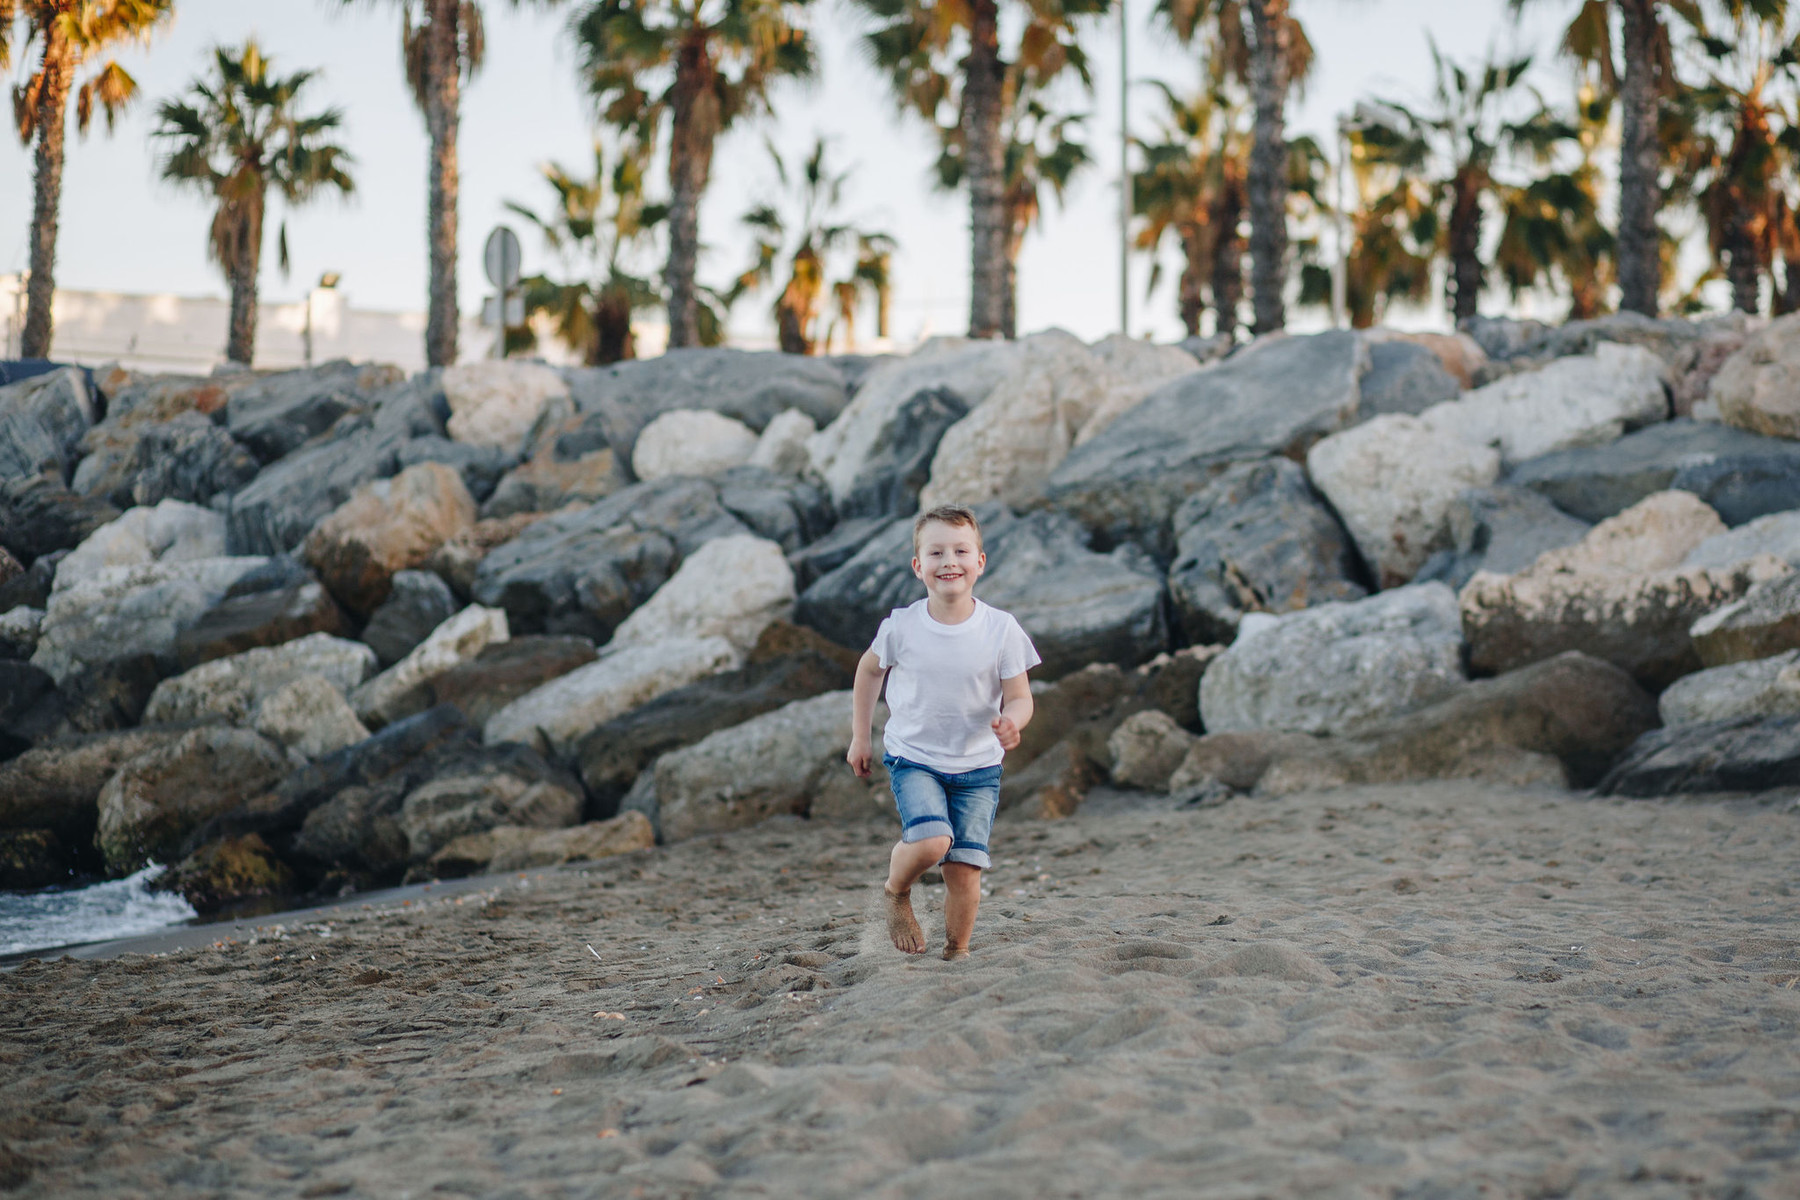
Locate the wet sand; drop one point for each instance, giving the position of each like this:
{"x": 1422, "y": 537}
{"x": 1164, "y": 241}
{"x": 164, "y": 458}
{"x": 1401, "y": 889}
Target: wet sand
{"x": 1437, "y": 991}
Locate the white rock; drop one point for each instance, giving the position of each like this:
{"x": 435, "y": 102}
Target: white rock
{"x": 19, "y": 629}
{"x": 690, "y": 441}
{"x": 1777, "y": 534}
{"x": 1140, "y": 368}
{"x": 171, "y": 531}
{"x": 230, "y": 688}
{"x": 1762, "y": 687}
{"x": 782, "y": 446}
{"x": 400, "y": 690}
{"x": 496, "y": 403}
{"x": 438, "y": 812}
{"x": 1146, "y": 749}
{"x": 1758, "y": 387}
{"x": 1337, "y": 667}
{"x": 731, "y": 587}
{"x": 1392, "y": 480}
{"x": 1581, "y": 400}
{"x": 309, "y": 715}
{"x": 555, "y": 717}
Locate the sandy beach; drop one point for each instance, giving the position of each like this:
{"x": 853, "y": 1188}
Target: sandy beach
{"x": 1448, "y": 990}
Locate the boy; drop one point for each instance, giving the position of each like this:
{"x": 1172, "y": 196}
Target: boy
{"x": 957, "y": 699}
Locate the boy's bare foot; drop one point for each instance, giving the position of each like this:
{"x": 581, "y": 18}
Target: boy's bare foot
{"x": 903, "y": 927}
{"x": 953, "y": 952}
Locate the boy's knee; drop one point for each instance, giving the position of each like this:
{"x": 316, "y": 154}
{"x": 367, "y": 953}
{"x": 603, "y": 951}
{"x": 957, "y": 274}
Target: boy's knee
{"x": 939, "y": 845}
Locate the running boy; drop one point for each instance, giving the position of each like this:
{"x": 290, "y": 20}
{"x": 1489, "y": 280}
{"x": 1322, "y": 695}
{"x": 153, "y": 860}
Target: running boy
{"x": 957, "y": 699}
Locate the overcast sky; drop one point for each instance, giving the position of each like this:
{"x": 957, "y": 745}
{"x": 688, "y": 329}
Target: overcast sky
{"x": 124, "y": 230}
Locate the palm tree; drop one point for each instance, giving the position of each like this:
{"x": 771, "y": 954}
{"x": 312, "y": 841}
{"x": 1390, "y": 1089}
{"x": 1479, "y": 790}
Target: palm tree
{"x": 1193, "y": 186}
{"x": 74, "y": 34}
{"x": 236, "y": 136}
{"x": 1395, "y": 226}
{"x": 702, "y": 66}
{"x": 820, "y": 239}
{"x": 1552, "y": 226}
{"x": 593, "y": 226}
{"x": 944, "y": 62}
{"x": 1262, "y": 46}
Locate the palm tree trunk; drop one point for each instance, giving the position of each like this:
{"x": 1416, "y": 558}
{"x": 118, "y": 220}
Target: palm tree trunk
{"x": 443, "y": 56}
{"x": 1743, "y": 265}
{"x": 1009, "y": 296}
{"x": 1465, "y": 245}
{"x": 1640, "y": 152}
{"x": 1189, "y": 292}
{"x": 695, "y": 122}
{"x": 1228, "y": 254}
{"x": 986, "y": 169}
{"x": 1268, "y": 163}
{"x": 246, "y": 262}
{"x": 47, "y": 202}
{"x": 612, "y": 328}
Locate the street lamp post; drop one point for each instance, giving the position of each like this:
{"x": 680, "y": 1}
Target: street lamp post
{"x": 1125, "y": 198}
{"x": 327, "y": 281}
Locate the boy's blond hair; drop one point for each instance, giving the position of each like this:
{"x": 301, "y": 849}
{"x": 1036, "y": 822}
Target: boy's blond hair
{"x": 948, "y": 514}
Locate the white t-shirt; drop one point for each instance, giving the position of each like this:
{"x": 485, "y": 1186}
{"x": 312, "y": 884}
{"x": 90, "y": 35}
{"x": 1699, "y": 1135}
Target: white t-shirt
{"x": 943, "y": 684}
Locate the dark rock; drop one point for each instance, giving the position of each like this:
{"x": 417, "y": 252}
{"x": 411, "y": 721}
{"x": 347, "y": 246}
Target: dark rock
{"x": 504, "y": 671}
{"x": 264, "y": 618}
{"x": 856, "y": 367}
{"x": 834, "y": 549}
{"x": 42, "y": 421}
{"x": 418, "y": 602}
{"x": 1765, "y": 622}
{"x": 57, "y": 785}
{"x": 583, "y": 570}
{"x": 1256, "y": 539}
{"x": 787, "y": 511}
{"x": 39, "y": 516}
{"x": 1742, "y": 475}
{"x": 22, "y": 688}
{"x": 32, "y": 587}
{"x": 109, "y": 693}
{"x": 184, "y": 458}
{"x": 1505, "y": 337}
{"x": 278, "y": 414}
{"x": 227, "y": 873}
{"x": 271, "y": 575}
{"x": 32, "y": 858}
{"x": 1405, "y": 377}
{"x": 1501, "y": 529}
{"x": 10, "y": 567}
{"x": 480, "y": 466}
{"x": 156, "y": 799}
{"x": 890, "y": 481}
{"x": 1277, "y": 397}
{"x": 1058, "y": 780}
{"x": 1747, "y": 755}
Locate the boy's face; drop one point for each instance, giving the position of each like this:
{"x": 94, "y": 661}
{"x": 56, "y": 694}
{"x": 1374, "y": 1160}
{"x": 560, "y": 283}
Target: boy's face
{"x": 949, "y": 560}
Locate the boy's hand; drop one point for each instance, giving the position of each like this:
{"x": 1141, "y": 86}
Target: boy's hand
{"x": 860, "y": 757}
{"x": 1006, "y": 731}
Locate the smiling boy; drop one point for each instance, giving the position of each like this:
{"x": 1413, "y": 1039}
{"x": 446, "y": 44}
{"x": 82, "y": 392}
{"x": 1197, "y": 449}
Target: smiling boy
{"x": 957, "y": 698}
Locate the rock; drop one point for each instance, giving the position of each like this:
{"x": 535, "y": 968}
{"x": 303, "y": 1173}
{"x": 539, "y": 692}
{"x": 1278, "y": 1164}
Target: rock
{"x": 23, "y": 690}
{"x": 387, "y": 526}
{"x": 848, "y": 603}
{"x": 185, "y": 458}
{"x": 1146, "y": 749}
{"x": 784, "y": 509}
{"x": 32, "y": 588}
{"x": 309, "y": 716}
{"x": 473, "y": 853}
{"x": 31, "y": 859}
{"x": 239, "y": 623}
{"x": 19, "y": 628}
{"x": 156, "y": 799}
{"x": 838, "y": 547}
{"x": 403, "y": 689}
{"x": 1777, "y": 534}
{"x": 480, "y": 467}
{"x": 56, "y": 785}
{"x": 172, "y": 531}
{"x": 229, "y": 689}
{"x": 1097, "y": 691}
{"x": 1619, "y": 594}
{"x": 1056, "y": 782}
{"x": 1405, "y": 377}
{"x": 1583, "y": 400}
{"x": 1764, "y": 622}
{"x": 439, "y": 812}
{"x": 1207, "y": 350}
{"x": 750, "y": 387}
{"x": 227, "y": 872}
{"x": 1761, "y": 687}
{"x": 1500, "y": 529}
{"x": 42, "y": 422}
{"x": 1458, "y": 353}
{"x": 546, "y": 483}
{"x": 418, "y": 602}
{"x": 555, "y": 717}
{"x": 143, "y": 398}
{"x": 39, "y": 516}
{"x": 691, "y": 442}
{"x": 782, "y": 446}
{"x": 1139, "y": 368}
{"x": 1337, "y": 667}
{"x": 1565, "y": 719}
{"x": 277, "y": 414}
{"x": 518, "y": 848}
{"x": 731, "y": 587}
{"x": 1392, "y": 480}
{"x": 1077, "y": 606}
{"x": 583, "y": 570}
{"x": 1750, "y": 754}
{"x": 1256, "y": 539}
{"x": 898, "y": 467}
{"x": 1741, "y": 475}
{"x": 1277, "y": 397}
{"x": 496, "y": 403}
{"x": 504, "y": 671}
{"x": 614, "y": 754}
{"x": 769, "y": 765}
{"x": 458, "y": 559}
{"x": 1758, "y": 388}
{"x": 1504, "y": 337}
{"x": 1234, "y": 762}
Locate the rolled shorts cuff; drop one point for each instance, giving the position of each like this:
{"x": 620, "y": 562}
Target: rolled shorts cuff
{"x": 974, "y": 856}
{"x": 929, "y": 827}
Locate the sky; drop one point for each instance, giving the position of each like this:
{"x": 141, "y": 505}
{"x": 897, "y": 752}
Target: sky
{"x": 123, "y": 229}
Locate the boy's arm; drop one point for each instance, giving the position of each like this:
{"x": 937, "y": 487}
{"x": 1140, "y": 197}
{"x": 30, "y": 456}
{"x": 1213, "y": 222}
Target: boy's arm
{"x": 867, "y": 689}
{"x": 1015, "y": 710}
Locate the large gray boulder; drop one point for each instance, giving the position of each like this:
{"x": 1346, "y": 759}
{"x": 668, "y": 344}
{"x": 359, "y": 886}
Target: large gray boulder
{"x": 1765, "y": 621}
{"x": 187, "y": 457}
{"x": 1339, "y": 667}
{"x": 1751, "y": 754}
{"x": 1277, "y": 397}
{"x": 1256, "y": 539}
{"x": 1760, "y": 687}
{"x": 417, "y": 603}
{"x": 1777, "y": 534}
{"x": 56, "y": 785}
{"x": 1741, "y": 475}
{"x": 896, "y": 469}
{"x": 39, "y": 516}
{"x": 1499, "y": 529}
{"x": 172, "y": 531}
{"x": 277, "y": 414}
{"x": 155, "y": 800}
{"x": 1405, "y": 377}
{"x": 848, "y": 603}
{"x": 504, "y": 671}
{"x": 246, "y": 619}
{"x": 42, "y": 422}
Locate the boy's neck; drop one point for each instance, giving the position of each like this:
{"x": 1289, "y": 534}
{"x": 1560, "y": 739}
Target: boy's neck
{"x": 950, "y": 612}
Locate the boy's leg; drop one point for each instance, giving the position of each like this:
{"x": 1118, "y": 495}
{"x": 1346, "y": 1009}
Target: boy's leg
{"x": 973, "y": 798}
{"x": 962, "y": 897}
{"x": 924, "y": 839}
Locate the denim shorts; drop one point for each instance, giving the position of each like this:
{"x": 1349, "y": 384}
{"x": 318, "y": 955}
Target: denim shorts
{"x": 933, "y": 803}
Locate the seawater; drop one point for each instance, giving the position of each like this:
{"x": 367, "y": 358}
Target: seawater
{"x": 98, "y": 912}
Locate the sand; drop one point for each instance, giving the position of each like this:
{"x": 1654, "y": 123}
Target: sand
{"x": 1436, "y": 991}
